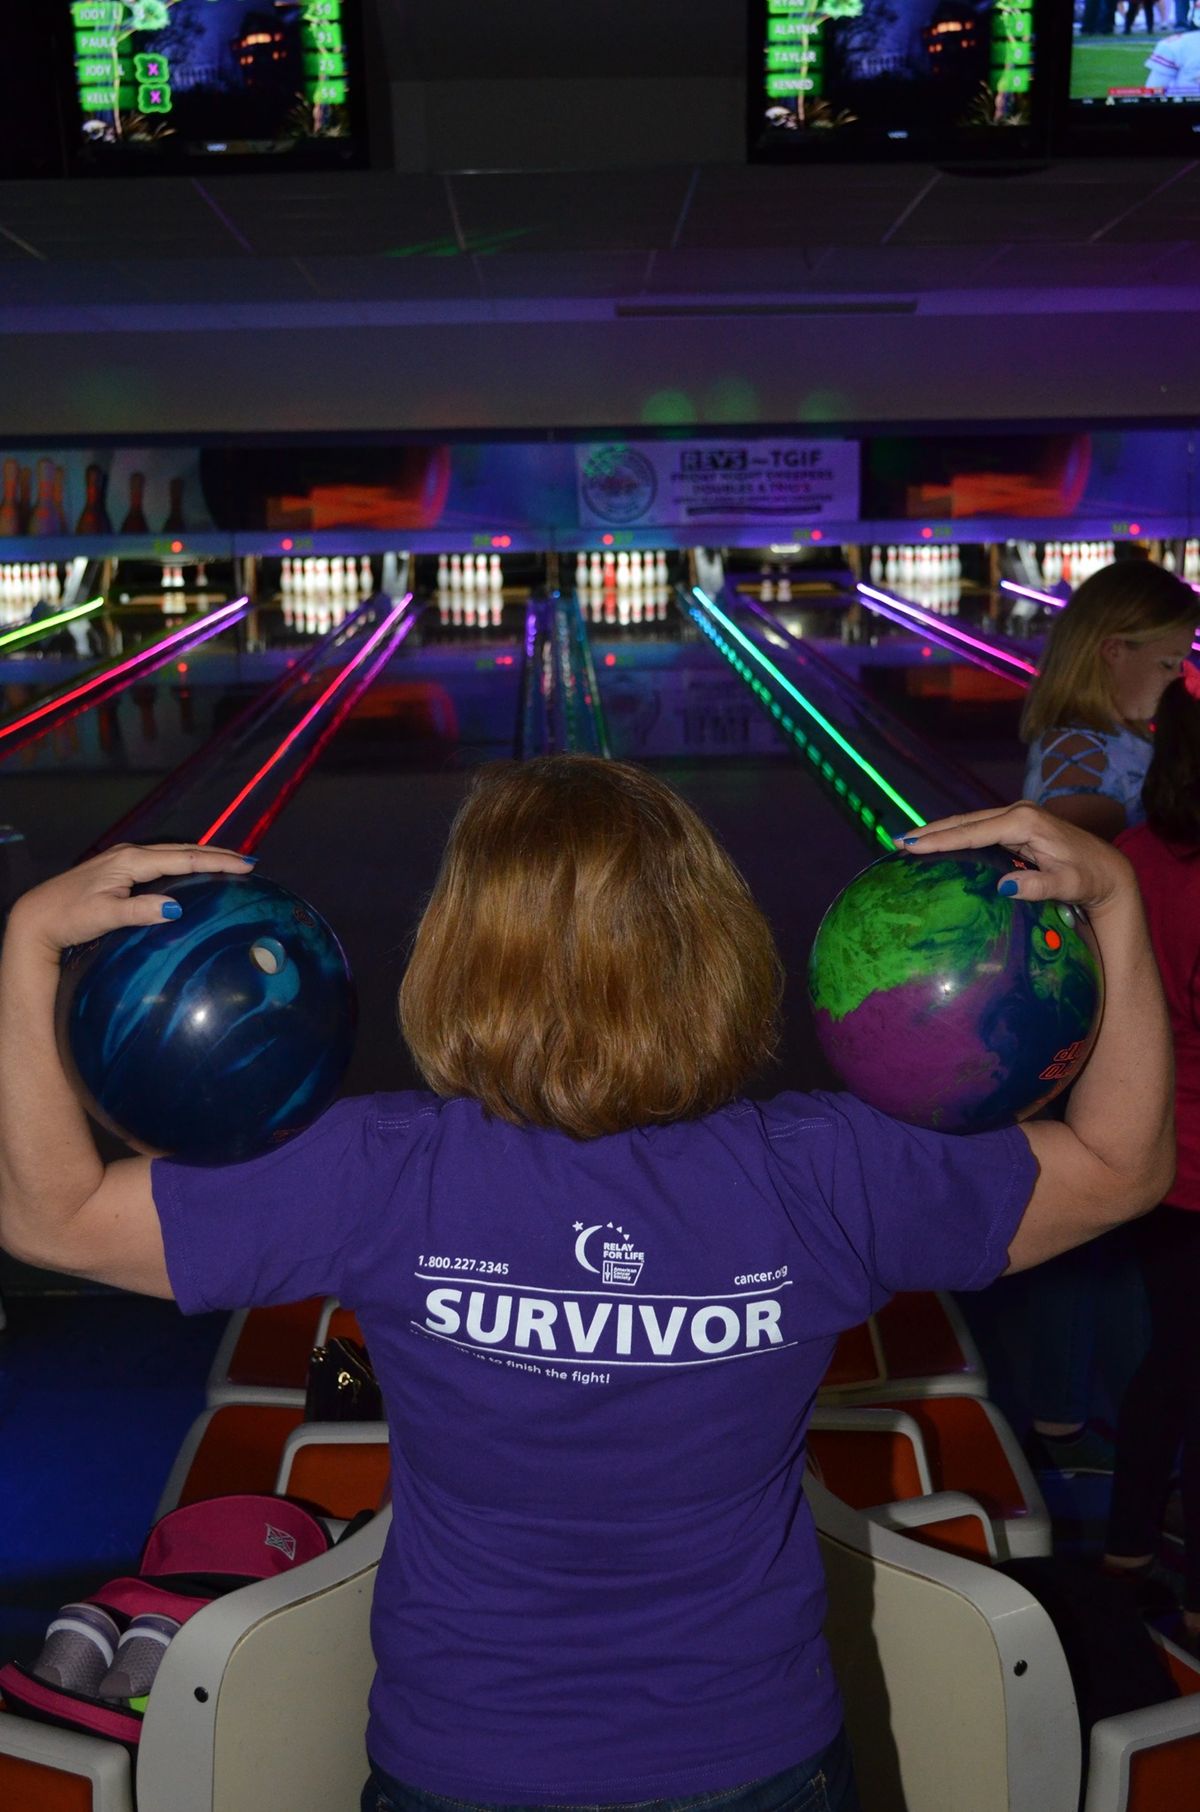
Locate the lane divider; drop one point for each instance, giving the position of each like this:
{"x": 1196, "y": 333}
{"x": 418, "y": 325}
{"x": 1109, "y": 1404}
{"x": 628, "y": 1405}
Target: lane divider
{"x": 189, "y": 635}
{"x": 392, "y": 622}
{"x": 30, "y": 632}
{"x": 939, "y": 630}
{"x": 734, "y": 643}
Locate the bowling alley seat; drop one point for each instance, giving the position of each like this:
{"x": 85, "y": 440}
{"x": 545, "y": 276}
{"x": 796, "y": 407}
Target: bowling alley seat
{"x": 918, "y": 1345}
{"x": 266, "y": 1350}
{"x": 268, "y": 1684}
{"x": 957, "y": 1692}
{"x": 268, "y": 1446}
{"x": 262, "y": 1696}
{"x": 883, "y": 1454}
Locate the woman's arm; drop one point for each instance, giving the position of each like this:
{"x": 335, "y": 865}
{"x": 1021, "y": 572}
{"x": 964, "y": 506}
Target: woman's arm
{"x": 60, "y": 1206}
{"x": 1113, "y": 1156}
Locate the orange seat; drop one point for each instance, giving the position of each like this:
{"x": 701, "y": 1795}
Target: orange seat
{"x": 876, "y": 1462}
{"x": 235, "y": 1447}
{"x": 27, "y": 1786}
{"x": 965, "y": 1454}
{"x": 274, "y": 1344}
{"x": 342, "y": 1479}
{"x": 919, "y": 1338}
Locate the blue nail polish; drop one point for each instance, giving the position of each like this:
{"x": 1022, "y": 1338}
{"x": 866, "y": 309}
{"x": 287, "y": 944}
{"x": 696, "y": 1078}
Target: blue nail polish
{"x": 1008, "y": 885}
{"x": 172, "y": 909}
{"x": 908, "y": 839}
{"x": 249, "y": 858}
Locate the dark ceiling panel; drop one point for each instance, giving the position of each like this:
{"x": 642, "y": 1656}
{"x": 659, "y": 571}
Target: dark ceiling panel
{"x": 616, "y": 211}
{"x": 770, "y": 207}
{"x": 548, "y": 274}
{"x": 475, "y": 38}
{"x": 1068, "y": 203}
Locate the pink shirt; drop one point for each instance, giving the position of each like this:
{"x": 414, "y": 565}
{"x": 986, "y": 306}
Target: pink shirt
{"x": 1170, "y": 882}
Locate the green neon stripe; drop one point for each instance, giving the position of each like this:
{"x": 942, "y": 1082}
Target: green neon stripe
{"x": 29, "y": 630}
{"x": 836, "y": 736}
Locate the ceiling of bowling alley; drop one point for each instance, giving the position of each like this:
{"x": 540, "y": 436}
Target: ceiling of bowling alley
{"x": 560, "y": 161}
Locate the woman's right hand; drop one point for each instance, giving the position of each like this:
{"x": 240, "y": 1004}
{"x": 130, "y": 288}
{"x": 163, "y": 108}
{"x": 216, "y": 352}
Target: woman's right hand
{"x": 97, "y": 896}
{"x": 1067, "y": 863}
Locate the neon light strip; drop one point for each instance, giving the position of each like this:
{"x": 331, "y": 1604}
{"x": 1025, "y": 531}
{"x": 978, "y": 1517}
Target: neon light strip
{"x": 373, "y": 641}
{"x": 834, "y": 735}
{"x": 29, "y": 630}
{"x": 199, "y": 630}
{"x": 938, "y": 626}
{"x": 1043, "y": 597}
{"x": 1039, "y": 597}
{"x": 312, "y": 754}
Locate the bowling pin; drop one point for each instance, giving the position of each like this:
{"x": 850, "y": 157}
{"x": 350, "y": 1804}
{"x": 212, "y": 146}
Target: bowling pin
{"x": 443, "y": 573}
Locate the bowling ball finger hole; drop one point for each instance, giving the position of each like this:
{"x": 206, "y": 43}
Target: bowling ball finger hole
{"x": 268, "y": 954}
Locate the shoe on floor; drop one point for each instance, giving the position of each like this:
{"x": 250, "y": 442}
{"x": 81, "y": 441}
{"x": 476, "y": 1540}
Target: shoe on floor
{"x": 1153, "y": 1589}
{"x": 1088, "y": 1451}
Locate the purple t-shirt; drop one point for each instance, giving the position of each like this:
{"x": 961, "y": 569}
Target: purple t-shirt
{"x": 602, "y": 1581}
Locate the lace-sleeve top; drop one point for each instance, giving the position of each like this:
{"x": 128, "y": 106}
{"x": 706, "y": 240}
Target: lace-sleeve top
{"x": 1111, "y": 763}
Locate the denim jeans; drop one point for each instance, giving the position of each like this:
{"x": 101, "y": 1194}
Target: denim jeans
{"x": 823, "y": 1783}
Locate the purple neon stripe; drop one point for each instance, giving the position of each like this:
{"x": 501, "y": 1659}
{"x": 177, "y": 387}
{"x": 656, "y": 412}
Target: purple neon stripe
{"x": 1043, "y": 597}
{"x": 199, "y": 631}
{"x": 939, "y": 626}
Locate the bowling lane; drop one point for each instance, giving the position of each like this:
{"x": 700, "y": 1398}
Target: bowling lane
{"x": 363, "y": 837}
{"x": 186, "y": 733}
{"x": 962, "y": 709}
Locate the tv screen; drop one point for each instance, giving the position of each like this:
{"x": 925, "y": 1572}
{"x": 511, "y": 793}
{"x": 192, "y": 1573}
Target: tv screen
{"x": 170, "y": 84}
{"x": 941, "y": 79}
{"x": 1135, "y": 74}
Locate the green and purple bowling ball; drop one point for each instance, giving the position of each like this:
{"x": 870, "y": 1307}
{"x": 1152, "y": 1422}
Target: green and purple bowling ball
{"x": 216, "y": 1036}
{"x": 950, "y": 1005}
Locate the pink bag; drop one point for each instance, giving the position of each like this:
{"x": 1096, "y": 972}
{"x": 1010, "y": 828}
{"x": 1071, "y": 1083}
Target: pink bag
{"x": 191, "y": 1556}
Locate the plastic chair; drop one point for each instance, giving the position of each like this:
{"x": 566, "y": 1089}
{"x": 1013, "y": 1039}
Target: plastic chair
{"x": 917, "y": 1345}
{"x": 887, "y": 1453}
{"x": 265, "y": 1351}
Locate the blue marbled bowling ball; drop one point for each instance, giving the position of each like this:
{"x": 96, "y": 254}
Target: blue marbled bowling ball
{"x": 215, "y": 1036}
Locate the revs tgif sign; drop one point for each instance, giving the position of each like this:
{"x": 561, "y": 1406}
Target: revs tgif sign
{"x": 785, "y": 485}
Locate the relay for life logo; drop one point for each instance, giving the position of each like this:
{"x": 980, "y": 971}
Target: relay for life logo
{"x": 621, "y": 1262}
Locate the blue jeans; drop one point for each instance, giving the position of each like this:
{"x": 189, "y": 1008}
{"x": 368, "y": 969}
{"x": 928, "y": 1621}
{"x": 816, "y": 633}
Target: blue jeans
{"x": 823, "y": 1783}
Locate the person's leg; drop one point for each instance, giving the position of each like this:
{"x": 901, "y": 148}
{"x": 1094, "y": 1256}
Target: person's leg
{"x": 1060, "y": 1299}
{"x": 1154, "y": 1410}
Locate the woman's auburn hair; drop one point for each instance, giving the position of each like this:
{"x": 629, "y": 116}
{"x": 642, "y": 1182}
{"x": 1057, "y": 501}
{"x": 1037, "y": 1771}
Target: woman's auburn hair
{"x": 1134, "y": 600}
{"x": 590, "y": 959}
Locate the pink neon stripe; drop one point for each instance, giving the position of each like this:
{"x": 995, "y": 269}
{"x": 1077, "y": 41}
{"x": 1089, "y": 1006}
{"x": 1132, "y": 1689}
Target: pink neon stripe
{"x": 1027, "y": 591}
{"x": 135, "y": 660}
{"x": 1043, "y": 597}
{"x": 940, "y": 626}
{"x": 372, "y": 642}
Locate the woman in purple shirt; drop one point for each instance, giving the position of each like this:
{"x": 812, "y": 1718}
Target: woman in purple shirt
{"x": 600, "y": 1286}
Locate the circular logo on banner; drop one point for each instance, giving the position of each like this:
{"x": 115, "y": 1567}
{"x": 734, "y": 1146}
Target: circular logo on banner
{"x": 618, "y": 483}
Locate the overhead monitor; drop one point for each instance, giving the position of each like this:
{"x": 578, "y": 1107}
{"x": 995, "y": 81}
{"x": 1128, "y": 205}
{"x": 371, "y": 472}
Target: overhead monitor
{"x": 180, "y": 84}
{"x": 941, "y": 80}
{"x": 1134, "y": 76}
